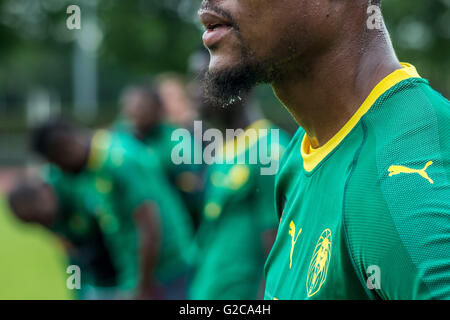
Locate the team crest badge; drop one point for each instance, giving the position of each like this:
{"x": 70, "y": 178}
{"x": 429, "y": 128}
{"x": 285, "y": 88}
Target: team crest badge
{"x": 320, "y": 261}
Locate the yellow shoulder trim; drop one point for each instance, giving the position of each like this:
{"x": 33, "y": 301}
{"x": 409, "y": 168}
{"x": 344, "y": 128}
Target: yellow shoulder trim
{"x": 100, "y": 142}
{"x": 312, "y": 157}
{"x": 245, "y": 140}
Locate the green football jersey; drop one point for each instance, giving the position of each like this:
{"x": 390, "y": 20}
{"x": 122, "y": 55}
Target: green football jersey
{"x": 81, "y": 229}
{"x": 71, "y": 224}
{"x": 238, "y": 210}
{"x": 121, "y": 176}
{"x": 367, "y": 215}
{"x": 186, "y": 178}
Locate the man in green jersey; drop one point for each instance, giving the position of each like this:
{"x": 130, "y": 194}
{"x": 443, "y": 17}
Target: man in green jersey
{"x": 142, "y": 116}
{"x": 34, "y": 200}
{"x": 239, "y": 223}
{"x": 144, "y": 223}
{"x": 363, "y": 191}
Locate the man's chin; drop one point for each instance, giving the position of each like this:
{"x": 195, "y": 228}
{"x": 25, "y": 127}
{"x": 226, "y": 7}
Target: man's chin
{"x": 228, "y": 80}
{"x": 224, "y": 86}
{"x": 220, "y": 63}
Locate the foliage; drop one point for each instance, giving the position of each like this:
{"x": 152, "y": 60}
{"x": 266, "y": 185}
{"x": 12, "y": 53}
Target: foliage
{"x": 145, "y": 37}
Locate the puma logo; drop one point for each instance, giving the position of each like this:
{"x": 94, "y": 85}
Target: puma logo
{"x": 394, "y": 170}
{"x": 294, "y": 240}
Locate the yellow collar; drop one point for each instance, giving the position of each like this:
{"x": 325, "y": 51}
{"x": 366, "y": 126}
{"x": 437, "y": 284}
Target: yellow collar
{"x": 312, "y": 157}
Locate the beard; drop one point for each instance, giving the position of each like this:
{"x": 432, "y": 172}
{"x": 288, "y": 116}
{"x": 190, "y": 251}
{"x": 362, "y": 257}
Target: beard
{"x": 226, "y": 87}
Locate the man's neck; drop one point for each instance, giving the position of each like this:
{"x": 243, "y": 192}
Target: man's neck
{"x": 150, "y": 131}
{"x": 339, "y": 81}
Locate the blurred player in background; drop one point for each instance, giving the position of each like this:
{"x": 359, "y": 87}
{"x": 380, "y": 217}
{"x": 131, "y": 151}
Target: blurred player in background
{"x": 33, "y": 200}
{"x": 179, "y": 109}
{"x": 239, "y": 222}
{"x": 144, "y": 223}
{"x": 142, "y": 115}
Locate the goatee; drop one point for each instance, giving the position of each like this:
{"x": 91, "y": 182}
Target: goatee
{"x": 224, "y": 88}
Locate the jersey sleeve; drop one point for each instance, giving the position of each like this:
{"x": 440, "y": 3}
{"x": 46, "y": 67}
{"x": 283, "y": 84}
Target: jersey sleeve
{"x": 397, "y": 202}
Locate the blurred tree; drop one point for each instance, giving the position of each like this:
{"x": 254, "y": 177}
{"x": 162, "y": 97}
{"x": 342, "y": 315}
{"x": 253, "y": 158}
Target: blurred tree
{"x": 143, "y": 37}
{"x": 421, "y": 34}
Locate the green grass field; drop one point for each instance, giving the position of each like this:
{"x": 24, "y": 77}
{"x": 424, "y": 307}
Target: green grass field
{"x": 32, "y": 263}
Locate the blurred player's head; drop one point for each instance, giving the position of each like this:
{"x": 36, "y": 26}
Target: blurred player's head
{"x": 34, "y": 201}
{"x": 273, "y": 41}
{"x": 142, "y": 106}
{"x": 176, "y": 101}
{"x": 61, "y": 144}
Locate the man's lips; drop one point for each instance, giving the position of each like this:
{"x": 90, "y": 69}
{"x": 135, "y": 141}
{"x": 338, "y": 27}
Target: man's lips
{"x": 212, "y": 37}
{"x": 217, "y": 27}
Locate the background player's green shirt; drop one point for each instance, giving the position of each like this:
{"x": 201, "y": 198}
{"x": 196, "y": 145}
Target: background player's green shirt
{"x": 74, "y": 226}
{"x": 81, "y": 229}
{"x": 238, "y": 210}
{"x": 368, "y": 214}
{"x": 121, "y": 176}
{"x": 187, "y": 179}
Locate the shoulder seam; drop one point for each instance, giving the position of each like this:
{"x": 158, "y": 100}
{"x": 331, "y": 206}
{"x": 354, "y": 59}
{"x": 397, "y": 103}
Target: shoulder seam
{"x": 354, "y": 162}
{"x": 396, "y": 89}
